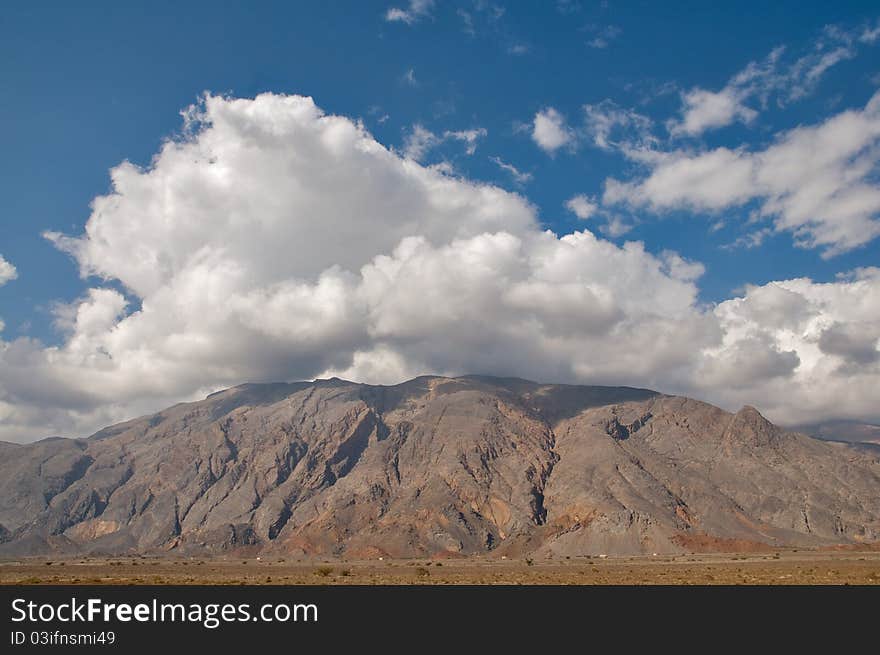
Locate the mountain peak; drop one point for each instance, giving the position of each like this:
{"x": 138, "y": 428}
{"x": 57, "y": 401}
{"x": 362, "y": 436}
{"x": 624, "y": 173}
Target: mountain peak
{"x": 749, "y": 427}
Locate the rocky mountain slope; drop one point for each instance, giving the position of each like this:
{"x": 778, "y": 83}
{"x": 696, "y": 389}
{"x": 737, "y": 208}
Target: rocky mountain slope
{"x": 437, "y": 467}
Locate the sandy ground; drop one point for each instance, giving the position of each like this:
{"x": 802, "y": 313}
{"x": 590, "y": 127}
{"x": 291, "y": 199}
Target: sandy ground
{"x": 795, "y": 567}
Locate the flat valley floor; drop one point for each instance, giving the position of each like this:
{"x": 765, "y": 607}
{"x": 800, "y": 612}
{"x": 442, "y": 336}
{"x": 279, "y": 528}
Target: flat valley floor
{"x": 774, "y": 568}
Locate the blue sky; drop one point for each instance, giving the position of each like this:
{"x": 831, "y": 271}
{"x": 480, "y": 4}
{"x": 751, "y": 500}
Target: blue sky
{"x": 86, "y": 86}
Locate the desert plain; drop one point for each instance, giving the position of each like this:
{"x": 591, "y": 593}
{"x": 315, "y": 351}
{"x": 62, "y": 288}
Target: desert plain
{"x": 784, "y": 567}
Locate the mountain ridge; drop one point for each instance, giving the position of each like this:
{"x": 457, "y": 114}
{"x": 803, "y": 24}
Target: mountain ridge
{"x": 437, "y": 466}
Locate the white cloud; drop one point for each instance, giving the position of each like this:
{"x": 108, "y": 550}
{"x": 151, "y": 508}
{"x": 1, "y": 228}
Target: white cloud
{"x": 815, "y": 342}
{"x": 750, "y": 89}
{"x": 703, "y": 110}
{"x": 808, "y": 70}
{"x": 550, "y": 131}
{"x": 581, "y": 206}
{"x": 814, "y": 181}
{"x": 378, "y": 114}
{"x": 420, "y": 140}
{"x": 566, "y": 7}
{"x": 707, "y": 109}
{"x": 870, "y": 34}
{"x": 277, "y": 242}
{"x": 604, "y": 120}
{"x": 711, "y": 180}
{"x": 546, "y": 304}
{"x": 854, "y": 343}
{"x": 409, "y": 77}
{"x": 753, "y": 239}
{"x": 680, "y": 268}
{"x": 467, "y": 22}
{"x": 444, "y": 167}
{"x": 604, "y": 36}
{"x": 520, "y": 177}
{"x": 491, "y": 10}
{"x": 615, "y": 227}
{"x": 469, "y": 137}
{"x": 8, "y": 272}
{"x": 415, "y": 11}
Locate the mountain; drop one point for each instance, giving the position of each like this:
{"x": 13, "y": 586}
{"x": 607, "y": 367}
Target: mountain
{"x": 437, "y": 467}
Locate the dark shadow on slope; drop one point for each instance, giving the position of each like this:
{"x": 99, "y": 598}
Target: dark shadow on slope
{"x": 560, "y": 401}
{"x": 253, "y": 395}
{"x": 384, "y": 399}
{"x": 553, "y": 402}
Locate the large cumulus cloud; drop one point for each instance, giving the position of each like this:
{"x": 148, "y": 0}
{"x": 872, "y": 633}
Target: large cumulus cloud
{"x": 821, "y": 356}
{"x": 276, "y": 242}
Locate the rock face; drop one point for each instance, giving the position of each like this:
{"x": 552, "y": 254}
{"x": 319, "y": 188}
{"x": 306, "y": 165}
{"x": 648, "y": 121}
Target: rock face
{"x": 437, "y": 467}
